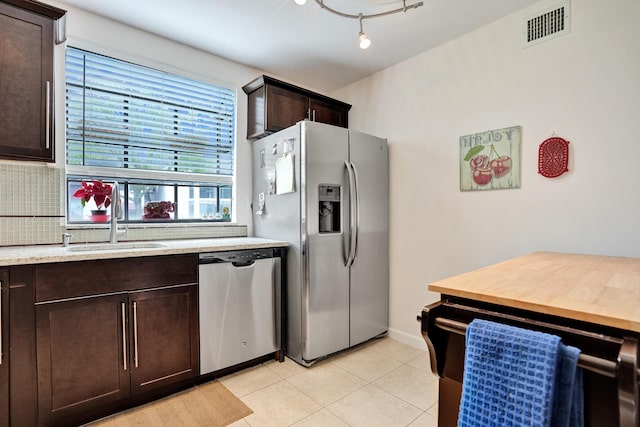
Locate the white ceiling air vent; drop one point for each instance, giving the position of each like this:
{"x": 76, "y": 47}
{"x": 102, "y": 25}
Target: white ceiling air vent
{"x": 548, "y": 24}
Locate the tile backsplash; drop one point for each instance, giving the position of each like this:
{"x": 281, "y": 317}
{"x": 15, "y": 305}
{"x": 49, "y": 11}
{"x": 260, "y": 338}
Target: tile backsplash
{"x": 31, "y": 204}
{"x": 88, "y": 234}
{"x": 16, "y": 231}
{"x": 31, "y": 191}
{"x": 32, "y": 212}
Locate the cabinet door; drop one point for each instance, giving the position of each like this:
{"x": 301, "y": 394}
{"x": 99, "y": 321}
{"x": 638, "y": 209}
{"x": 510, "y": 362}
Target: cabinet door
{"x": 284, "y": 108}
{"x": 4, "y": 347}
{"x": 26, "y": 84}
{"x": 164, "y": 337}
{"x": 23, "y": 383}
{"x": 81, "y": 356}
{"x": 326, "y": 112}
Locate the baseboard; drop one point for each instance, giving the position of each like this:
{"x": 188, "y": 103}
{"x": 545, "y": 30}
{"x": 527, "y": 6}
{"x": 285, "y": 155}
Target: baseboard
{"x": 413, "y": 340}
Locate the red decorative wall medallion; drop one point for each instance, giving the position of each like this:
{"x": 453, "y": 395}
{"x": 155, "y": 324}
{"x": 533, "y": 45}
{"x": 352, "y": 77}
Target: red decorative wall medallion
{"x": 553, "y": 157}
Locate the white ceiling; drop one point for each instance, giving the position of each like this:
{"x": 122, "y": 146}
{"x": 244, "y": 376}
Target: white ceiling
{"x": 306, "y": 44}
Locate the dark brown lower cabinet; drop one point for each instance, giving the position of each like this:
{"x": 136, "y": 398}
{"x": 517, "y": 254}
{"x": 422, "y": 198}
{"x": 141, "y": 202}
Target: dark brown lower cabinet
{"x": 164, "y": 337}
{"x": 96, "y": 353}
{"x": 4, "y": 346}
{"x": 23, "y": 383}
{"x": 82, "y": 360}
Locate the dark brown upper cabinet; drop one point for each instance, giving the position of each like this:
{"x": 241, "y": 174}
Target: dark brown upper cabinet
{"x": 27, "y": 35}
{"x": 274, "y": 105}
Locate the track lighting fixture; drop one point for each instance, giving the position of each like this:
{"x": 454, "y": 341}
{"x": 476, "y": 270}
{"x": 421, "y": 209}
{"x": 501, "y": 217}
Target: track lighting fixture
{"x": 363, "y": 39}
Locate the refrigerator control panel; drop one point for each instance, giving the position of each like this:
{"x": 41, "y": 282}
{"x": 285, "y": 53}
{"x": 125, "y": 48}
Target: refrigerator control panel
{"x": 329, "y": 193}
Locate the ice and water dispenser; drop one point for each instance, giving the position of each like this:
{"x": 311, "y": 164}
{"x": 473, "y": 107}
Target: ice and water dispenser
{"x": 329, "y": 208}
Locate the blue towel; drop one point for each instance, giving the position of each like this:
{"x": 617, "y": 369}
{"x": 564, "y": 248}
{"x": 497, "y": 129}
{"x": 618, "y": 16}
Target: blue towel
{"x": 568, "y": 405}
{"x": 510, "y": 378}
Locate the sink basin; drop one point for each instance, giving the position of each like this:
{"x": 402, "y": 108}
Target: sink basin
{"x": 115, "y": 246}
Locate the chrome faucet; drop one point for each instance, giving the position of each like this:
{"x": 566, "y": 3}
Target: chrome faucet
{"x": 116, "y": 212}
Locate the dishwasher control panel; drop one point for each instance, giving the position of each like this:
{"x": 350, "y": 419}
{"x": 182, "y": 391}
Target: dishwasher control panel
{"x": 242, "y": 256}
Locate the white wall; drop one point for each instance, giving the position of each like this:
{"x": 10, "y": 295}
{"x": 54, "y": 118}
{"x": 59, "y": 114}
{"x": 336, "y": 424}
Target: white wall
{"x": 89, "y": 31}
{"x": 584, "y": 86}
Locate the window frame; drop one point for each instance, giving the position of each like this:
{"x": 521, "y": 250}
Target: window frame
{"x": 175, "y": 187}
{"x": 72, "y": 172}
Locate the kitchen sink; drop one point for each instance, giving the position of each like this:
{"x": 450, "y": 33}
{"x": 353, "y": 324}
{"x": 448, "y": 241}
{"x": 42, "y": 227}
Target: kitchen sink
{"x": 115, "y": 246}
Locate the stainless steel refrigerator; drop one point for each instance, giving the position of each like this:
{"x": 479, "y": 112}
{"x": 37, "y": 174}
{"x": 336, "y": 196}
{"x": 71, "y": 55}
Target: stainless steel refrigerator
{"x": 325, "y": 190}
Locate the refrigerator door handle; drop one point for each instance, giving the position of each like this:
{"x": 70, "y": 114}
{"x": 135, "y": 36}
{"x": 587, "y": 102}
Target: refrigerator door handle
{"x": 350, "y": 252}
{"x": 356, "y": 221}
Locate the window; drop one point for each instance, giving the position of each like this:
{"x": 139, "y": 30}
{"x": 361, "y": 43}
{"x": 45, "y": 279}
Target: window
{"x": 163, "y": 137}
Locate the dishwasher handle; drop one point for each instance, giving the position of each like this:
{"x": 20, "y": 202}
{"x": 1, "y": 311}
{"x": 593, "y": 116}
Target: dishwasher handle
{"x": 242, "y": 264}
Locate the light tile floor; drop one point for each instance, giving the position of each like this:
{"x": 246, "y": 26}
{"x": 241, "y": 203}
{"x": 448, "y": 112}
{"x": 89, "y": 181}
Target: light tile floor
{"x": 382, "y": 383}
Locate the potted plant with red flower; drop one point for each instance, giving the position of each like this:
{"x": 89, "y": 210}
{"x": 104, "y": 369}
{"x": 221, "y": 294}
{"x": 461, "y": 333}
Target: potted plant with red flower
{"x": 101, "y": 195}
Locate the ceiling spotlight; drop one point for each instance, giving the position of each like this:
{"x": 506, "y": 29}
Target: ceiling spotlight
{"x": 363, "y": 39}
{"x": 365, "y": 42}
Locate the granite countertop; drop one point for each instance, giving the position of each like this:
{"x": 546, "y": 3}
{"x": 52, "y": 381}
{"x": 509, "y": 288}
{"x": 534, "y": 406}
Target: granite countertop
{"x": 21, "y": 255}
{"x": 597, "y": 289}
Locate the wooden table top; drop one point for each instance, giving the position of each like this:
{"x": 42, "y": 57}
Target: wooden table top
{"x": 598, "y": 289}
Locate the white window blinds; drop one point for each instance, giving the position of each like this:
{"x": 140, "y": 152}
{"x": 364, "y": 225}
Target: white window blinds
{"x": 122, "y": 115}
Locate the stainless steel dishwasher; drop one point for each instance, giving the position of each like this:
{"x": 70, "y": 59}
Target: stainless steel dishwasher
{"x": 239, "y": 306}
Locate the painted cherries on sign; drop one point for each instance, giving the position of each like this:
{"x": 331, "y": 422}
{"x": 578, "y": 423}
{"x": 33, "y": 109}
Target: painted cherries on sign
{"x": 485, "y": 167}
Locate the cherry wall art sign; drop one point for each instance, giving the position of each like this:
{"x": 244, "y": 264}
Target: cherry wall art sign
{"x": 490, "y": 160}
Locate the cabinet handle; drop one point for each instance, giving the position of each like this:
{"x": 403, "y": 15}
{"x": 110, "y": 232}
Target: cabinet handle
{"x": 135, "y": 333}
{"x": 314, "y": 115}
{"x": 48, "y": 116}
{"x": 123, "y": 311}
